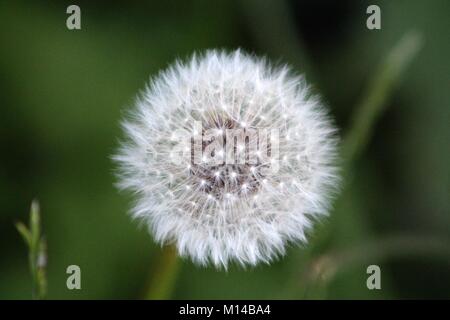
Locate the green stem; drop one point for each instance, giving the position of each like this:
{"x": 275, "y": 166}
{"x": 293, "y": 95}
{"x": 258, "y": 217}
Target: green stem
{"x": 164, "y": 275}
{"x": 385, "y": 80}
{"x": 36, "y": 252}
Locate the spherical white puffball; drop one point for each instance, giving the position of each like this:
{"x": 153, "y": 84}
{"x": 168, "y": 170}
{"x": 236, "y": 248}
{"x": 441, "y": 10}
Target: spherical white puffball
{"x": 229, "y": 157}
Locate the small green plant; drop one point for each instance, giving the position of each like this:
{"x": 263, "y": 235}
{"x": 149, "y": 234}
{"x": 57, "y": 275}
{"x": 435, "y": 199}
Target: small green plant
{"x": 37, "y": 251}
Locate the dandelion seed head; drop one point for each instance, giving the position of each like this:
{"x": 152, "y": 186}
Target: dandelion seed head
{"x": 217, "y": 213}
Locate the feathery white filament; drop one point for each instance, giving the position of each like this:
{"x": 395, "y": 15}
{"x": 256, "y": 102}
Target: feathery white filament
{"x": 228, "y": 212}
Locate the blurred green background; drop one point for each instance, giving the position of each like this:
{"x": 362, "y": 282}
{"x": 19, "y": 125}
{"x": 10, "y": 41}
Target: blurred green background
{"x": 64, "y": 92}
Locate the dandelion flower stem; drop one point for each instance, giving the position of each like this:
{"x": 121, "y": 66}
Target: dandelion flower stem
{"x": 164, "y": 275}
{"x": 381, "y": 86}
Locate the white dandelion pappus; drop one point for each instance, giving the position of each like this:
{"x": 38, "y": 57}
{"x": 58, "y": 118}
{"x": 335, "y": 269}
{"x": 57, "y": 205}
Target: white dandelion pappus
{"x": 218, "y": 212}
